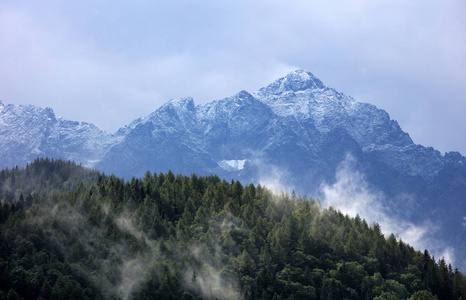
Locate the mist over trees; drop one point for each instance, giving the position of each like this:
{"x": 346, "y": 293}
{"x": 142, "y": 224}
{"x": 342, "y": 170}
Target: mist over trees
{"x": 72, "y": 233}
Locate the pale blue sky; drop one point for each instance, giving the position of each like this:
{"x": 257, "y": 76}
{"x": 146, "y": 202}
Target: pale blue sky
{"x": 109, "y": 62}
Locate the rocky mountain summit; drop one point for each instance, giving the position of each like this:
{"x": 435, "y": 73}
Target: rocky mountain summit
{"x": 28, "y": 132}
{"x": 294, "y": 134}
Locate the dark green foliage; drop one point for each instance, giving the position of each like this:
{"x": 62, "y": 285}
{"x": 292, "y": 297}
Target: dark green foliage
{"x": 71, "y": 233}
{"x": 43, "y": 176}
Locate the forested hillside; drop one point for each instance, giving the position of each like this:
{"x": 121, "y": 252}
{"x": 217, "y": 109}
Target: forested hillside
{"x": 72, "y": 233}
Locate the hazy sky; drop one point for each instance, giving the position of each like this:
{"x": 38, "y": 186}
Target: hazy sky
{"x": 109, "y": 62}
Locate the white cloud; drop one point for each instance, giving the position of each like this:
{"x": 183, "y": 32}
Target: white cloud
{"x": 272, "y": 176}
{"x": 352, "y": 195}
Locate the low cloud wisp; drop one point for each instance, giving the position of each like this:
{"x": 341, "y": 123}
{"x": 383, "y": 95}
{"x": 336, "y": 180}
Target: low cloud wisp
{"x": 352, "y": 195}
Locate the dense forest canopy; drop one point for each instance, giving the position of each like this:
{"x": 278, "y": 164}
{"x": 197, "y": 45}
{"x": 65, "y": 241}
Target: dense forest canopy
{"x": 72, "y": 233}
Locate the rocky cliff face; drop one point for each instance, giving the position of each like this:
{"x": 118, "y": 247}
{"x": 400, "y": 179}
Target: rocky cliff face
{"x": 294, "y": 134}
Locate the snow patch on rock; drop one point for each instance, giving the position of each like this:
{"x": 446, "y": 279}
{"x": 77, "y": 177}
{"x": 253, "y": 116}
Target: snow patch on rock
{"x": 232, "y": 165}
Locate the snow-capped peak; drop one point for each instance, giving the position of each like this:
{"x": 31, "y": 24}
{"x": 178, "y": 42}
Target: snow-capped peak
{"x": 299, "y": 80}
{"x": 187, "y": 103}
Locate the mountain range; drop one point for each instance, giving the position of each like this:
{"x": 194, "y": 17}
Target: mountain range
{"x": 294, "y": 134}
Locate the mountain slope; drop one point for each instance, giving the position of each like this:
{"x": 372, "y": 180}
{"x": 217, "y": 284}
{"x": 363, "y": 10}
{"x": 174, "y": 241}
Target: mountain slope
{"x": 289, "y": 124}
